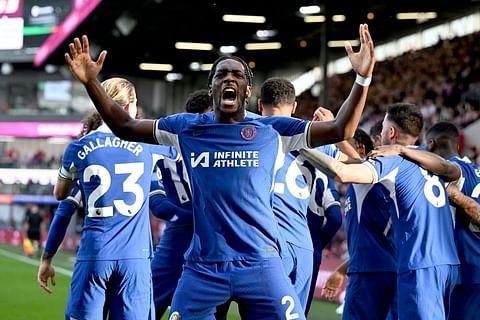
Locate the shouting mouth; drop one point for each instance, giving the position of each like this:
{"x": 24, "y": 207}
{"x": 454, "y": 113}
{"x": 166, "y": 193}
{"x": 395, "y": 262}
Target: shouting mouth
{"x": 229, "y": 96}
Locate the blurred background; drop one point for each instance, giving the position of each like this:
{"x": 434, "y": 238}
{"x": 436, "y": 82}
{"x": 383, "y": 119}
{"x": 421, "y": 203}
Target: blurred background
{"x": 428, "y": 53}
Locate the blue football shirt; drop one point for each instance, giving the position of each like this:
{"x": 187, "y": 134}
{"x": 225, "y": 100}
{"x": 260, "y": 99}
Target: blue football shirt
{"x": 423, "y": 223}
{"x": 294, "y": 183}
{"x": 467, "y": 234}
{"x": 231, "y": 169}
{"x": 114, "y": 176}
{"x": 324, "y": 196}
{"x": 368, "y": 227}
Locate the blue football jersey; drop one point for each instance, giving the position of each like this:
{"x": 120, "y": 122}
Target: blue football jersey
{"x": 173, "y": 175}
{"x": 330, "y": 150}
{"x": 114, "y": 176}
{"x": 324, "y": 195}
{"x": 467, "y": 235}
{"x": 175, "y": 185}
{"x": 368, "y": 227}
{"x": 294, "y": 183}
{"x": 231, "y": 169}
{"x": 423, "y": 223}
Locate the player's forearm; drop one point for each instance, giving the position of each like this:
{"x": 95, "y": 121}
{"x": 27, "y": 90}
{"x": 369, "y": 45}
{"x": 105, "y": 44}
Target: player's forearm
{"x": 47, "y": 256}
{"x": 356, "y": 173}
{"x": 342, "y": 269}
{"x": 62, "y": 188}
{"x": 56, "y": 234}
{"x": 322, "y": 162}
{"x": 348, "y": 117}
{"x": 433, "y": 163}
{"x": 348, "y": 151}
{"x": 468, "y": 206}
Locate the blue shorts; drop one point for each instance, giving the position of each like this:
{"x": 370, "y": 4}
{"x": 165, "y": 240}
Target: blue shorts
{"x": 370, "y": 295}
{"x": 123, "y": 288}
{"x": 261, "y": 288}
{"x": 425, "y": 293}
{"x": 464, "y": 303}
{"x": 298, "y": 264}
{"x": 167, "y": 263}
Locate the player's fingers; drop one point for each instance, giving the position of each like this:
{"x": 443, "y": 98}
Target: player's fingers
{"x": 348, "y": 48}
{"x": 72, "y": 49}
{"x": 47, "y": 289}
{"x": 43, "y": 284}
{"x": 101, "y": 58}
{"x": 68, "y": 59}
{"x": 86, "y": 45}
{"x": 361, "y": 30}
{"x": 78, "y": 45}
{"x": 367, "y": 35}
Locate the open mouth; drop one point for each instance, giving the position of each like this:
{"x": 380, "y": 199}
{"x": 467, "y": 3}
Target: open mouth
{"x": 229, "y": 94}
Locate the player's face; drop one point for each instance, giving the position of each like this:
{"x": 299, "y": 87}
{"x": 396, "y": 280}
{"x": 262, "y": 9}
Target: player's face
{"x": 230, "y": 87}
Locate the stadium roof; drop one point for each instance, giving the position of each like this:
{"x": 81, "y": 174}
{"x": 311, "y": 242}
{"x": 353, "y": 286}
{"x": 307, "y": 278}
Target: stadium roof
{"x": 148, "y": 31}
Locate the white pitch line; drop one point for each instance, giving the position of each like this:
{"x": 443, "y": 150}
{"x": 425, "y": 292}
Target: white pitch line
{"x": 24, "y": 259}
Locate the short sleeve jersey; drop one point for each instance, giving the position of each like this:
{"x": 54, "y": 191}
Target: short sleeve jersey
{"x": 368, "y": 226}
{"x": 115, "y": 177}
{"x": 467, "y": 234}
{"x": 423, "y": 223}
{"x": 231, "y": 169}
{"x": 294, "y": 183}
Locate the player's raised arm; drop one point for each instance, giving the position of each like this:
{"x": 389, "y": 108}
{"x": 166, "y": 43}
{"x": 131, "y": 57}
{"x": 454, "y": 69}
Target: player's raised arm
{"x": 348, "y": 117}
{"x": 86, "y": 71}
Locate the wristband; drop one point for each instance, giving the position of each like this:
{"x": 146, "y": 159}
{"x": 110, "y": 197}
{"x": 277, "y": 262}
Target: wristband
{"x": 363, "y": 81}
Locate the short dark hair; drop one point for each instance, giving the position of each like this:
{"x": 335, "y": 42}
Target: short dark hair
{"x": 362, "y": 137}
{"x": 444, "y": 133}
{"x": 277, "y": 91}
{"x": 376, "y": 129}
{"x": 248, "y": 71}
{"x": 90, "y": 122}
{"x": 198, "y": 102}
{"x": 407, "y": 117}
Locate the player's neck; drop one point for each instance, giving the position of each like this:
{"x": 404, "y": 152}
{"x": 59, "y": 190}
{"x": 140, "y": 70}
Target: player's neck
{"x": 232, "y": 117}
{"x": 405, "y": 141}
{"x": 446, "y": 153}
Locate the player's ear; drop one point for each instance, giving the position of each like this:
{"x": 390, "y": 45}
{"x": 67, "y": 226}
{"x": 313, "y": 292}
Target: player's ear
{"x": 249, "y": 91}
{"x": 210, "y": 91}
{"x": 260, "y": 105}
{"x": 392, "y": 133}
{"x": 294, "y": 107}
{"x": 431, "y": 145}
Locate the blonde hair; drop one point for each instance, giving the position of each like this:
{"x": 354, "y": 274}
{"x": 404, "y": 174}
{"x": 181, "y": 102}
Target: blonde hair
{"x": 120, "y": 90}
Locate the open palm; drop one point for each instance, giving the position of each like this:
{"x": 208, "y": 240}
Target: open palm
{"x": 80, "y": 62}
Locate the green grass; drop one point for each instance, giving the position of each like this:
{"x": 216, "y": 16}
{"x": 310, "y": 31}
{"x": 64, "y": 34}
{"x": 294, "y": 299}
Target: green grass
{"x": 22, "y": 298}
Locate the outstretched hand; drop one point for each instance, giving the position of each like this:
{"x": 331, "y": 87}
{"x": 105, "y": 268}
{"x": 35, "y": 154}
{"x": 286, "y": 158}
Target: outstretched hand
{"x": 362, "y": 61}
{"x": 385, "y": 151}
{"x": 80, "y": 62}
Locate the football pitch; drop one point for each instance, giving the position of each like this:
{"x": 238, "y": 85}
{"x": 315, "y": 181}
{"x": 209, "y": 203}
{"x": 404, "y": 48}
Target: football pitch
{"x": 22, "y": 298}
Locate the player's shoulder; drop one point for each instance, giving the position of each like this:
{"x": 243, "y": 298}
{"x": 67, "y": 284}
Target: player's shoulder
{"x": 186, "y": 116}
